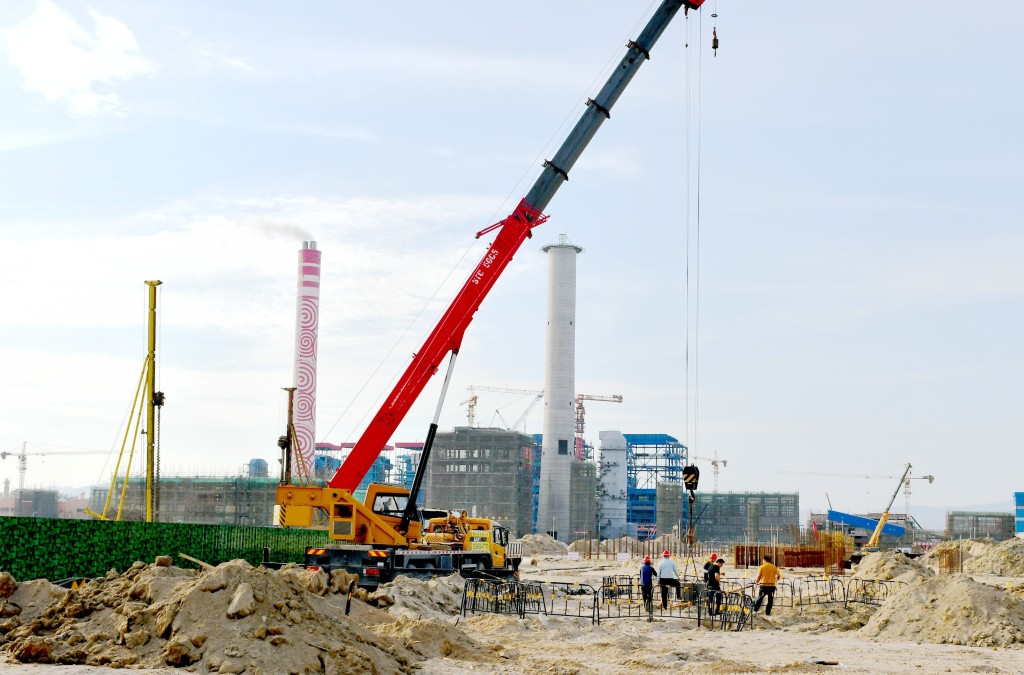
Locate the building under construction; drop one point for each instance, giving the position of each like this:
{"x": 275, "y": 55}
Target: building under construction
{"x": 735, "y": 516}
{"x": 998, "y": 525}
{"x": 209, "y": 500}
{"x": 484, "y": 471}
{"x": 651, "y": 459}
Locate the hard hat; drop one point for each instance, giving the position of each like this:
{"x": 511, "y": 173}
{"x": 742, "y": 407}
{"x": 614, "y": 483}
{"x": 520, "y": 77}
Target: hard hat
{"x": 666, "y": 553}
{"x": 647, "y": 558}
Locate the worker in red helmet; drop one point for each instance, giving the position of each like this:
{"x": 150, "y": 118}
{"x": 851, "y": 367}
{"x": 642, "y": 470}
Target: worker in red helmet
{"x": 708, "y": 564}
{"x": 647, "y": 575}
{"x": 668, "y": 576}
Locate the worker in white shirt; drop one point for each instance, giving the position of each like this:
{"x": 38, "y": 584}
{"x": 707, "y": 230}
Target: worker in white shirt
{"x": 668, "y": 576}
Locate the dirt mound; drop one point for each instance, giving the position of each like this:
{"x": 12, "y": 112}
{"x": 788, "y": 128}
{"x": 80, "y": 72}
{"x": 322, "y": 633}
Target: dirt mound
{"x": 950, "y": 610}
{"x": 542, "y": 544}
{"x": 230, "y": 619}
{"x": 433, "y": 639}
{"x": 31, "y": 600}
{"x": 1003, "y": 559}
{"x": 624, "y": 544}
{"x": 968, "y": 547}
{"x": 439, "y": 597}
{"x": 888, "y": 565}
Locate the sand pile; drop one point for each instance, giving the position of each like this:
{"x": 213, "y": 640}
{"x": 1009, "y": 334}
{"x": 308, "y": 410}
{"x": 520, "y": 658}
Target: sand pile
{"x": 542, "y": 544}
{"x": 889, "y": 565}
{"x": 624, "y": 544}
{"x": 1003, "y": 559}
{"x": 434, "y": 638}
{"x": 969, "y": 548}
{"x": 950, "y": 610}
{"x": 230, "y": 619}
{"x": 440, "y": 597}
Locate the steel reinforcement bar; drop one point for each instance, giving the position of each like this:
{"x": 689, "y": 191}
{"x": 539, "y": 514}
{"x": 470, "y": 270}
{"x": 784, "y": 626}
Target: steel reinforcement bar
{"x": 820, "y": 591}
{"x": 871, "y": 591}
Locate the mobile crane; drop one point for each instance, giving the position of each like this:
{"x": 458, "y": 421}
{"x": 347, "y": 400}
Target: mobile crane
{"x": 872, "y": 544}
{"x": 383, "y": 535}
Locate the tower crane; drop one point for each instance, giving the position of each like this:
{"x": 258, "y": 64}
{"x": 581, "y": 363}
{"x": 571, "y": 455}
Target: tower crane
{"x": 715, "y": 463}
{"x": 24, "y": 455}
{"x": 581, "y": 414}
{"x": 472, "y": 402}
{"x": 905, "y": 481}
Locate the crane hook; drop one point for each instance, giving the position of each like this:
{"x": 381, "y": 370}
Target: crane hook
{"x": 714, "y": 41}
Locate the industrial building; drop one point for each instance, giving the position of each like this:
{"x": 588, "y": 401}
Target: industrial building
{"x": 30, "y": 503}
{"x": 612, "y": 485}
{"x": 1018, "y": 507}
{"x": 582, "y": 500}
{"x": 484, "y": 471}
{"x": 651, "y": 459}
{"x": 998, "y": 525}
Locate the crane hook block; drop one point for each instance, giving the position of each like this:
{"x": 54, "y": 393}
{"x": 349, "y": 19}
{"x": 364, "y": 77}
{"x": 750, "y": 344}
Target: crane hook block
{"x": 714, "y": 41}
{"x": 691, "y": 474}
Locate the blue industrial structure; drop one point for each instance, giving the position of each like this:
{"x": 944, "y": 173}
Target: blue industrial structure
{"x": 650, "y": 459}
{"x": 864, "y": 523}
{"x": 1018, "y": 500}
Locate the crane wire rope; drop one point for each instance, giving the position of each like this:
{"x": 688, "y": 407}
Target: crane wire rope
{"x": 686, "y": 404}
{"x": 559, "y": 133}
{"x": 696, "y": 321}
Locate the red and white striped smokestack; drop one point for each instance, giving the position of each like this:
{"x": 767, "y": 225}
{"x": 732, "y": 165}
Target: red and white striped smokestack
{"x": 307, "y": 323}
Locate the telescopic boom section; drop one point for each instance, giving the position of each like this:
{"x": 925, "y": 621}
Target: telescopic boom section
{"x": 512, "y": 232}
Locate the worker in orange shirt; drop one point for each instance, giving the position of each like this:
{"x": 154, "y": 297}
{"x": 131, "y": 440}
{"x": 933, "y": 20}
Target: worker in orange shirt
{"x": 767, "y": 575}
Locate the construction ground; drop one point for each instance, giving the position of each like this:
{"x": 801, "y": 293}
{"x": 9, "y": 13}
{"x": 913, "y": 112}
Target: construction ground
{"x": 959, "y": 609}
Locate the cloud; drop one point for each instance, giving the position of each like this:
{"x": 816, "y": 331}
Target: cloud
{"x": 228, "y": 262}
{"x": 64, "y": 63}
{"x": 214, "y": 59}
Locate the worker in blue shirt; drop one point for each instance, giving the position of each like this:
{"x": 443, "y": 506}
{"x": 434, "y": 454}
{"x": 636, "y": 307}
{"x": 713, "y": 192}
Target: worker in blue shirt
{"x": 647, "y": 575}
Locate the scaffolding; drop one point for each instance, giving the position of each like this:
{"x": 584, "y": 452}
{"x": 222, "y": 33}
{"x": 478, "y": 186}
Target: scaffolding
{"x": 997, "y": 525}
{"x": 204, "y": 500}
{"x": 651, "y": 459}
{"x": 484, "y": 471}
{"x": 582, "y": 499}
{"x": 746, "y": 516}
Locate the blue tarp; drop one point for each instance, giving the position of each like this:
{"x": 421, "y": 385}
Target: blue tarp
{"x": 865, "y": 523}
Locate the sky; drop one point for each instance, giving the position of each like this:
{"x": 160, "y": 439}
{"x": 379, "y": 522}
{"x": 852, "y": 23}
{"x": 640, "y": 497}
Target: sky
{"x": 802, "y": 254}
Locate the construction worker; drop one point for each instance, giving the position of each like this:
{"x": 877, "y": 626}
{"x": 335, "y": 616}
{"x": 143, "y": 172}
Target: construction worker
{"x": 714, "y": 590}
{"x": 708, "y": 564}
{"x": 647, "y": 575}
{"x": 767, "y": 575}
{"x": 668, "y": 576}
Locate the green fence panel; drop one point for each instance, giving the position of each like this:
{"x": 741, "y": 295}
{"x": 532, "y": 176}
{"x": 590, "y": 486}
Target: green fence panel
{"x": 44, "y": 548}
